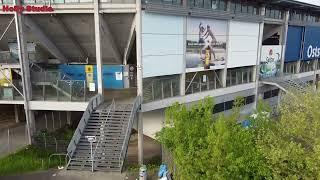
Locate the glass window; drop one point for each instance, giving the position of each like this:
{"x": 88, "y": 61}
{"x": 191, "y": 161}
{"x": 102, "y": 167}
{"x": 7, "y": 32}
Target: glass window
{"x": 275, "y": 92}
{"x": 157, "y": 88}
{"x": 218, "y": 108}
{"x": 228, "y": 105}
{"x": 238, "y": 7}
{"x": 250, "y": 99}
{"x": 267, "y": 95}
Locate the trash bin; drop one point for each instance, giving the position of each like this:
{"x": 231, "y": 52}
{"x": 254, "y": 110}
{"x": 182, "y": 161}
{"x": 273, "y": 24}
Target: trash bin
{"x": 143, "y": 172}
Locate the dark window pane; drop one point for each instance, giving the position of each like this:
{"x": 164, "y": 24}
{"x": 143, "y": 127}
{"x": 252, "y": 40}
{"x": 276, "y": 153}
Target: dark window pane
{"x": 228, "y": 105}
{"x": 275, "y": 92}
{"x": 250, "y": 99}
{"x": 218, "y": 108}
{"x": 267, "y": 95}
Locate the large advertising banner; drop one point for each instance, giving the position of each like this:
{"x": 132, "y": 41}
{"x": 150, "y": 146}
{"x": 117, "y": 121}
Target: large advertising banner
{"x": 270, "y": 61}
{"x": 206, "y": 44}
{"x": 311, "y": 46}
{"x": 294, "y": 42}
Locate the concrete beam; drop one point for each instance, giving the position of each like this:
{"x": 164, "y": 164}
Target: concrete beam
{"x": 130, "y": 41}
{"x": 73, "y": 38}
{"x": 106, "y": 33}
{"x": 44, "y": 39}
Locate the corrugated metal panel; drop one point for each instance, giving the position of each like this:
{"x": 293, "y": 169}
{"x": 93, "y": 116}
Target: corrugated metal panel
{"x": 293, "y": 46}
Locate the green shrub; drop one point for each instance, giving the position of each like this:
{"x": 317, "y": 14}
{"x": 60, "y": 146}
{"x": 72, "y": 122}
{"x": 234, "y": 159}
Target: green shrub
{"x": 27, "y": 160}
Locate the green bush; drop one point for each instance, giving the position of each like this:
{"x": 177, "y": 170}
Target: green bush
{"x": 204, "y": 146}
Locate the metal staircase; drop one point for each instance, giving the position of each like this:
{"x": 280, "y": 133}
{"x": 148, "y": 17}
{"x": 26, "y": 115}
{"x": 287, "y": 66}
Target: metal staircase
{"x": 111, "y": 128}
{"x": 288, "y": 83}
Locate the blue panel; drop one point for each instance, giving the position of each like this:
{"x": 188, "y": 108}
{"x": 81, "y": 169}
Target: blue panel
{"x": 311, "y": 48}
{"x": 77, "y": 72}
{"x": 109, "y": 76}
{"x": 293, "y": 46}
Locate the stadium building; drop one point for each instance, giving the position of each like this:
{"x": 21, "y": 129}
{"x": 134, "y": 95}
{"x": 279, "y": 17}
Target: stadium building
{"x": 111, "y": 66}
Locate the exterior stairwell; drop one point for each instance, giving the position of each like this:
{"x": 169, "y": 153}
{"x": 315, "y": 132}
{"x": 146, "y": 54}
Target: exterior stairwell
{"x": 288, "y": 83}
{"x": 111, "y": 126}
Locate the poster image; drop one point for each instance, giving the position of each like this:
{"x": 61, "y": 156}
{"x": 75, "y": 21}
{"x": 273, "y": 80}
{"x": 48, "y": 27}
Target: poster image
{"x": 206, "y": 44}
{"x": 270, "y": 61}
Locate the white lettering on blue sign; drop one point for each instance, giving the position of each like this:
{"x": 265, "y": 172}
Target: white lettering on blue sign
{"x": 313, "y": 52}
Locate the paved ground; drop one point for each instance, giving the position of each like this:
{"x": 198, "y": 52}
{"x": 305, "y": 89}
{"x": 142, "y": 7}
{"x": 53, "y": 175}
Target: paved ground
{"x": 67, "y": 175}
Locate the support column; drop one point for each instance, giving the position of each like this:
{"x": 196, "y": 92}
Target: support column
{"x": 284, "y": 39}
{"x": 68, "y": 117}
{"x": 139, "y": 50}
{"x": 140, "y": 138}
{"x": 183, "y": 75}
{"x": 298, "y": 66}
{"x": 16, "y": 113}
{"x": 97, "y": 31}
{"x": 257, "y": 69}
{"x": 25, "y": 71}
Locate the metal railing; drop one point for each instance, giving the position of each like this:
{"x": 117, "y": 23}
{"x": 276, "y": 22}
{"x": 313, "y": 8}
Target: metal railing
{"x": 135, "y": 108}
{"x": 160, "y": 89}
{"x": 112, "y": 107}
{"x": 64, "y": 88}
{"x": 6, "y": 57}
{"x": 11, "y": 92}
{"x": 93, "y": 103}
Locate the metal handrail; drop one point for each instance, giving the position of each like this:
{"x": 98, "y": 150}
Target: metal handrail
{"x": 112, "y": 107}
{"x": 93, "y": 103}
{"x": 135, "y": 107}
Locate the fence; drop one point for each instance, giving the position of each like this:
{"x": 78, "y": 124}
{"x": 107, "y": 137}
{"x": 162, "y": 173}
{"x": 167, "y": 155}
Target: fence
{"x": 13, "y": 138}
{"x": 50, "y": 143}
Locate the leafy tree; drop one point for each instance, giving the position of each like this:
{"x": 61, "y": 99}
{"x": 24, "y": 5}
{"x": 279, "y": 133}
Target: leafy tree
{"x": 290, "y": 143}
{"x": 208, "y": 147}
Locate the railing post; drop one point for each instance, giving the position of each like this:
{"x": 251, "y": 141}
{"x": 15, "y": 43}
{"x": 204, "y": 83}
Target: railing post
{"x": 57, "y": 90}
{"x": 162, "y": 92}
{"x": 8, "y": 140}
{"x": 152, "y": 91}
{"x": 84, "y": 91}
{"x": 70, "y": 90}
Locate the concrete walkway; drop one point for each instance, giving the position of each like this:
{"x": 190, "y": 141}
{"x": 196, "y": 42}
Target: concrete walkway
{"x": 67, "y": 175}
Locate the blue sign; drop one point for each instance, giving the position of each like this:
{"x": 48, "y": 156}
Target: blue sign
{"x": 294, "y": 41}
{"x": 311, "y": 44}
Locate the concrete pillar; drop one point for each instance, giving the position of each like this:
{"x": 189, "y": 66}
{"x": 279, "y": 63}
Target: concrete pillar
{"x": 97, "y": 31}
{"x": 139, "y": 49}
{"x": 183, "y": 75}
{"x": 25, "y": 71}
{"x": 298, "y": 66}
{"x": 68, "y": 117}
{"x": 16, "y": 113}
{"x": 140, "y": 137}
{"x": 257, "y": 68}
{"x": 284, "y": 39}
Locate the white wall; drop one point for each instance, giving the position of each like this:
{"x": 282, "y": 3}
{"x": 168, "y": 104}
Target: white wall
{"x": 162, "y": 45}
{"x": 153, "y": 122}
{"x": 243, "y": 44}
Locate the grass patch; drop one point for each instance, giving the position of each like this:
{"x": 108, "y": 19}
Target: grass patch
{"x": 26, "y": 160}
